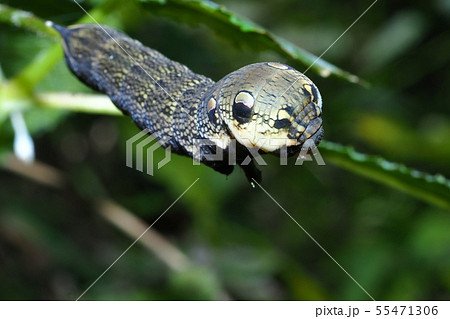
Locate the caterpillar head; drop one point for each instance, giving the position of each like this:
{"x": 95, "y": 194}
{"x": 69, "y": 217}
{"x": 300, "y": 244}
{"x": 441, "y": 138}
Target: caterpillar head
{"x": 269, "y": 106}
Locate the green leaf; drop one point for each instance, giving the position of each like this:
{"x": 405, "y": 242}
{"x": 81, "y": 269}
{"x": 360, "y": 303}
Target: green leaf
{"x": 244, "y": 32}
{"x": 434, "y": 189}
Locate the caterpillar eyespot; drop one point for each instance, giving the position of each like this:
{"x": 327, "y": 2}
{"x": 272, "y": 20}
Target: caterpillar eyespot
{"x": 255, "y": 103}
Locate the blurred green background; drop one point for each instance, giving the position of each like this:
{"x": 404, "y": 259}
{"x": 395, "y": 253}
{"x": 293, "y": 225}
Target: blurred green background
{"x": 227, "y": 240}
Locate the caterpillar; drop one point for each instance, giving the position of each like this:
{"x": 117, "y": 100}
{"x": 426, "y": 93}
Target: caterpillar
{"x": 260, "y": 108}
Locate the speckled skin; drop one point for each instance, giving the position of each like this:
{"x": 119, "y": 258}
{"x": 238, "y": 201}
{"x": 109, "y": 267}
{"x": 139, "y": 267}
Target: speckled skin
{"x": 255, "y": 104}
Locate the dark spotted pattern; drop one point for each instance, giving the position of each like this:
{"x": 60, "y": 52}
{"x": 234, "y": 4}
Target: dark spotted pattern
{"x": 179, "y": 106}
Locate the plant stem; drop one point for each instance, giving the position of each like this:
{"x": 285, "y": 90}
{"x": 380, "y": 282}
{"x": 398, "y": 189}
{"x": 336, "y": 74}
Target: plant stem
{"x": 17, "y": 93}
{"x": 77, "y": 102}
{"x": 25, "y": 20}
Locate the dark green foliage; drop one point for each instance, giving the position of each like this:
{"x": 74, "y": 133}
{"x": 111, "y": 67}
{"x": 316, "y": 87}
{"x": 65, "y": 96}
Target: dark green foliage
{"x": 54, "y": 244}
